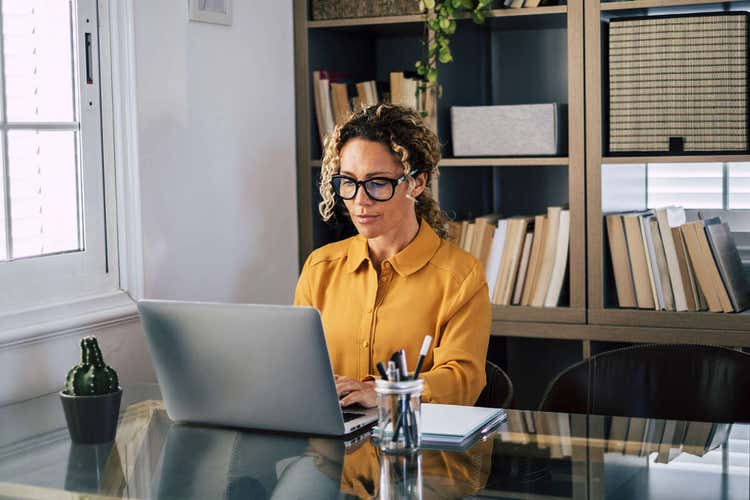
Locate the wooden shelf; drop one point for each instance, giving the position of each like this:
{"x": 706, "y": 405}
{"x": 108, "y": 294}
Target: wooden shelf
{"x": 649, "y": 4}
{"x": 526, "y": 314}
{"x": 666, "y": 319}
{"x": 675, "y": 159}
{"x": 541, "y": 161}
{"x": 619, "y": 333}
{"x": 418, "y": 18}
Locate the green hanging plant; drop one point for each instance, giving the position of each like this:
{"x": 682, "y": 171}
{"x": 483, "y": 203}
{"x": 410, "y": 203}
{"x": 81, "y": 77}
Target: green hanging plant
{"x": 440, "y": 25}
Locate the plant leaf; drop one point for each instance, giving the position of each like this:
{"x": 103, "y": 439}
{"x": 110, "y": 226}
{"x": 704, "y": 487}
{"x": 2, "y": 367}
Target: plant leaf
{"x": 432, "y": 75}
{"x": 477, "y": 16}
{"x": 444, "y": 56}
{"x": 451, "y": 27}
{"x": 430, "y": 4}
{"x": 445, "y": 24}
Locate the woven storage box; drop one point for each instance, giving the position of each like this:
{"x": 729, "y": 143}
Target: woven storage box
{"x": 339, "y": 9}
{"x": 677, "y": 84}
{"x": 517, "y": 130}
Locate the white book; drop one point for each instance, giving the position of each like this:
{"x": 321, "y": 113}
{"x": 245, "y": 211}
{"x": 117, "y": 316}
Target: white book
{"x": 668, "y": 218}
{"x": 496, "y": 255}
{"x": 561, "y": 261}
{"x": 454, "y": 424}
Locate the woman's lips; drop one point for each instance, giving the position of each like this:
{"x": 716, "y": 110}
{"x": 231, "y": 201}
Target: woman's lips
{"x": 366, "y": 219}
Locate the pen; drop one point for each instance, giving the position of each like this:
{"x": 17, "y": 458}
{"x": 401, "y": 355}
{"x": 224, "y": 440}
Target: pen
{"x": 392, "y": 372}
{"x": 422, "y": 354}
{"x": 381, "y": 370}
{"x": 402, "y": 365}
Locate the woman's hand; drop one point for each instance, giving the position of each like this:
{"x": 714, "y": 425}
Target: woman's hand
{"x": 352, "y": 391}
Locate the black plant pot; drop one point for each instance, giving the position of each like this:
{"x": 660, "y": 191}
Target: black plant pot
{"x": 92, "y": 419}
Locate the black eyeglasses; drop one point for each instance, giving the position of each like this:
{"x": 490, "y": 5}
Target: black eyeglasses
{"x": 377, "y": 188}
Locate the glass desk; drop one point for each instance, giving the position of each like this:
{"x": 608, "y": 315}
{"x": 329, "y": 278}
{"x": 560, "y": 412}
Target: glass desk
{"x": 534, "y": 455}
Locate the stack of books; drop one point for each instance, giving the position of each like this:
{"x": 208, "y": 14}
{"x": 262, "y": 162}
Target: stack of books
{"x": 525, "y": 258}
{"x": 335, "y": 98}
{"x": 517, "y": 4}
{"x": 626, "y": 435}
{"x": 660, "y": 261}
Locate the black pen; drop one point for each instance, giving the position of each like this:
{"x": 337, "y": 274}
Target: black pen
{"x": 402, "y": 365}
{"x": 381, "y": 370}
{"x": 422, "y": 354}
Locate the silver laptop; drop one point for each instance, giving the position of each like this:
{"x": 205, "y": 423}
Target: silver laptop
{"x": 243, "y": 365}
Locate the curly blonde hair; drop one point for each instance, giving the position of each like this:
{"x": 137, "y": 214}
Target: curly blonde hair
{"x": 412, "y": 143}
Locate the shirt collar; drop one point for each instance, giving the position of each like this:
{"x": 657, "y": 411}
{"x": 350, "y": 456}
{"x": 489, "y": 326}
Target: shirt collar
{"x": 408, "y": 261}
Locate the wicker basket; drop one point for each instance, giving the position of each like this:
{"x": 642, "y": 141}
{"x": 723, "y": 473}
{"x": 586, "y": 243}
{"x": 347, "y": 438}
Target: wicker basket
{"x": 678, "y": 84}
{"x": 340, "y": 9}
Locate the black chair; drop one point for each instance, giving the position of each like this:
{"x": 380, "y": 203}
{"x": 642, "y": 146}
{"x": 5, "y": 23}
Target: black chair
{"x": 682, "y": 382}
{"x": 498, "y": 393}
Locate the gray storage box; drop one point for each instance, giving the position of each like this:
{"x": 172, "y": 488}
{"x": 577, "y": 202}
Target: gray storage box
{"x": 516, "y": 130}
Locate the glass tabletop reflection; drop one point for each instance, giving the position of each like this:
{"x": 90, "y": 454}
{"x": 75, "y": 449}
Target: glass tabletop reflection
{"x": 533, "y": 455}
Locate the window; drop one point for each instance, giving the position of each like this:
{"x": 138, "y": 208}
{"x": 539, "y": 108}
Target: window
{"x": 724, "y": 186}
{"x": 53, "y": 225}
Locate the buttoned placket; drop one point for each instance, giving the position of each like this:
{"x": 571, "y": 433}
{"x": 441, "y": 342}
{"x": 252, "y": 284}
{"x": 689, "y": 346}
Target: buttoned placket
{"x": 368, "y": 339}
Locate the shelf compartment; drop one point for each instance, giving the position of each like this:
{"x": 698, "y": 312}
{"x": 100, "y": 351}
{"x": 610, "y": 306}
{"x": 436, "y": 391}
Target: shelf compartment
{"x": 667, "y": 319}
{"x": 527, "y": 314}
{"x": 418, "y": 18}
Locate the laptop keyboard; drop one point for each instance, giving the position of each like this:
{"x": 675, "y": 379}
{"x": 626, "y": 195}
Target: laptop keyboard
{"x": 351, "y": 416}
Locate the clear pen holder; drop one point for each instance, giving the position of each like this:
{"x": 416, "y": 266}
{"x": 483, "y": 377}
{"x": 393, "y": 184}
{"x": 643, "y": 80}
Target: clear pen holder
{"x": 399, "y": 415}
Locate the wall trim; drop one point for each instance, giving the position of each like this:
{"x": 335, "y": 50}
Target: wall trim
{"x": 125, "y": 127}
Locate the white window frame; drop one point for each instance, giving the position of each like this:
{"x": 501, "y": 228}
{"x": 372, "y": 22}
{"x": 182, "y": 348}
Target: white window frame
{"x": 111, "y": 300}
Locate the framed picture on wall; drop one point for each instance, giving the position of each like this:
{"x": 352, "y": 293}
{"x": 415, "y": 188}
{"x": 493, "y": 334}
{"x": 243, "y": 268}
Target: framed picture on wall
{"x": 211, "y": 11}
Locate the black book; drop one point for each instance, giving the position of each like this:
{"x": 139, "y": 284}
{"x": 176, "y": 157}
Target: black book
{"x": 728, "y": 261}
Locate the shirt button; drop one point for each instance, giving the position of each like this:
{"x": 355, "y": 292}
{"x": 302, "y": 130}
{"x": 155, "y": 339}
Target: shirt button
{"x": 365, "y": 343}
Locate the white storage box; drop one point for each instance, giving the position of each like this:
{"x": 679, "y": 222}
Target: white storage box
{"x": 517, "y": 130}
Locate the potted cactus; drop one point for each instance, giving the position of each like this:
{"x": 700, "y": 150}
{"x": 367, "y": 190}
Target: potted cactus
{"x": 91, "y": 397}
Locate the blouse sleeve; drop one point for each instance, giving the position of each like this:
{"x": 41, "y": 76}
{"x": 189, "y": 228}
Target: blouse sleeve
{"x": 303, "y": 294}
{"x": 458, "y": 373}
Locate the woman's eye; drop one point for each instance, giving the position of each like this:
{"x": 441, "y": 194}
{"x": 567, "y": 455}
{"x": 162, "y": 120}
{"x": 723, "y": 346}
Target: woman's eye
{"x": 378, "y": 184}
{"x": 347, "y": 182}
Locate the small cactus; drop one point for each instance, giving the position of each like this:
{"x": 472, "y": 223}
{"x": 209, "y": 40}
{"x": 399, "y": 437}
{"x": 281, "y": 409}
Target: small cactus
{"x": 91, "y": 377}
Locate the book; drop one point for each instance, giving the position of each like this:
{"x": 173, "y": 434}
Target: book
{"x": 516, "y": 4}
{"x": 696, "y": 439}
{"x": 478, "y": 236}
{"x": 686, "y": 270}
{"x": 511, "y": 258}
{"x": 661, "y": 269}
{"x": 561, "y": 261}
{"x": 496, "y": 254}
{"x": 522, "y": 268}
{"x": 341, "y": 107}
{"x": 711, "y": 264}
{"x": 537, "y": 248}
{"x": 700, "y": 263}
{"x": 636, "y": 436}
{"x": 548, "y": 257}
{"x": 644, "y": 297}
{"x": 531, "y": 3}
{"x": 318, "y": 107}
{"x": 727, "y": 257}
{"x": 650, "y": 264}
{"x": 469, "y": 237}
{"x": 397, "y": 87}
{"x": 621, "y": 268}
{"x": 618, "y": 432}
{"x": 667, "y": 219}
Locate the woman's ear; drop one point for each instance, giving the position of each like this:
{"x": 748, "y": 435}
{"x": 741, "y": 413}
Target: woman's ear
{"x": 421, "y": 184}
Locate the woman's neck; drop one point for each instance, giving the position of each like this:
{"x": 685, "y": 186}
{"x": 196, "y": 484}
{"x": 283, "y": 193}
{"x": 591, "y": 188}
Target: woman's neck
{"x": 387, "y": 245}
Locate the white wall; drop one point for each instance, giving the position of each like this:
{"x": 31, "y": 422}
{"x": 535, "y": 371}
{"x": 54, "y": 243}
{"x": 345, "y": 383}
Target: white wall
{"x": 217, "y": 160}
{"x": 216, "y": 143}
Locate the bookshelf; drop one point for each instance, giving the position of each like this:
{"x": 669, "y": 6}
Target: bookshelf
{"x": 606, "y": 322}
{"x": 518, "y": 56}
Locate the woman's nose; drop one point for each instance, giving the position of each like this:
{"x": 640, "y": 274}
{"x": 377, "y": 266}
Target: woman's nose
{"x": 362, "y": 198}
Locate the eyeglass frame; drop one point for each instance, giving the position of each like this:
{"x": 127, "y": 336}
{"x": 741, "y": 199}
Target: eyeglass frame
{"x": 394, "y": 182}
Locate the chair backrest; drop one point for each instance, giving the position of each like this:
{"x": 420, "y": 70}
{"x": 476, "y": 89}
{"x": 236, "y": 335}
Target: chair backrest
{"x": 498, "y": 393}
{"x": 684, "y": 382}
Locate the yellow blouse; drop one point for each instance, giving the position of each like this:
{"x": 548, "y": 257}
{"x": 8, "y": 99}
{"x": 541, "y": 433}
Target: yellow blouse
{"x": 431, "y": 287}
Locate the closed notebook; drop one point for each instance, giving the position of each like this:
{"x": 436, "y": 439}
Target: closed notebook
{"x": 728, "y": 259}
{"x": 454, "y": 424}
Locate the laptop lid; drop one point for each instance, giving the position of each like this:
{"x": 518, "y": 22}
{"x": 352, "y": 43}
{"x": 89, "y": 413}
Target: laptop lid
{"x": 244, "y": 365}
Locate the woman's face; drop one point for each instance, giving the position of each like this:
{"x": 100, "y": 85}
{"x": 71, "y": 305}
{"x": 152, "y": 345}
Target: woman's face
{"x": 362, "y": 159}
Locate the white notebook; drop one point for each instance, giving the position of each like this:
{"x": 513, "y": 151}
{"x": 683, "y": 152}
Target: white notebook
{"x": 454, "y": 424}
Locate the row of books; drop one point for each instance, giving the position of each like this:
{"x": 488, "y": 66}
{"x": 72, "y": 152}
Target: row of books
{"x": 517, "y": 4}
{"x": 335, "y": 98}
{"x": 525, "y": 258}
{"x": 626, "y": 435}
{"x": 660, "y": 261}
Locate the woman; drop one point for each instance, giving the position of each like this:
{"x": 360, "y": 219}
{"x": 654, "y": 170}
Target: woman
{"x": 398, "y": 280}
